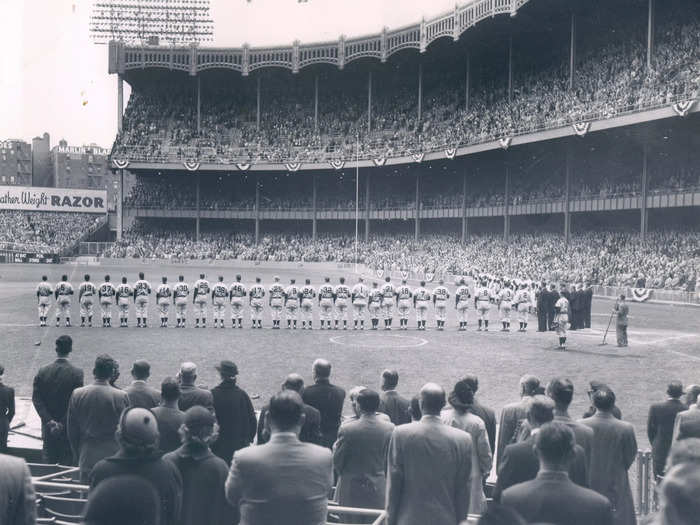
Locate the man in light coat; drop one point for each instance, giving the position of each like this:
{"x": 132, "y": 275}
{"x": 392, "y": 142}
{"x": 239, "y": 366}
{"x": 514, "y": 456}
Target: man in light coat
{"x": 612, "y": 454}
{"x": 391, "y": 402}
{"x": 429, "y": 467}
{"x": 17, "y": 499}
{"x": 285, "y": 480}
{"x": 93, "y": 415}
{"x": 514, "y": 414}
{"x": 359, "y": 456}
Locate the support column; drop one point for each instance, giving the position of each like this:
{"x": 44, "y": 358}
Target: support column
{"x": 314, "y": 208}
{"x": 644, "y": 215}
{"x": 510, "y": 68}
{"x": 506, "y": 207}
{"x": 197, "y": 187}
{"x": 316, "y": 103}
{"x": 650, "y": 33}
{"x": 420, "y": 90}
{"x": 416, "y": 235}
{"x": 257, "y": 111}
{"x": 120, "y": 103}
{"x": 367, "y": 206}
{"x": 257, "y": 209}
{"x": 199, "y": 104}
{"x": 120, "y": 206}
{"x": 465, "y": 220}
{"x": 567, "y": 194}
{"x": 369, "y": 103}
{"x": 572, "y": 52}
{"x": 467, "y": 83}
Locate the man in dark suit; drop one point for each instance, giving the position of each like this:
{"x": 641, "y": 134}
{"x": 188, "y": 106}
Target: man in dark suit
{"x": 7, "y": 410}
{"x": 575, "y": 306}
{"x": 662, "y": 417}
{"x": 588, "y": 304}
{"x": 234, "y": 413}
{"x": 552, "y": 497}
{"x": 285, "y": 480}
{"x": 429, "y": 468}
{"x": 561, "y": 391}
{"x": 93, "y": 414}
{"x": 487, "y": 414}
{"x": 520, "y": 463}
{"x": 17, "y": 498}
{"x": 542, "y": 297}
{"x": 53, "y": 386}
{"x": 595, "y": 386}
{"x": 169, "y": 417}
{"x": 514, "y": 414}
{"x": 190, "y": 394}
{"x": 391, "y": 402}
{"x": 359, "y": 456}
{"x": 327, "y": 399}
{"x": 310, "y": 430}
{"x": 140, "y": 394}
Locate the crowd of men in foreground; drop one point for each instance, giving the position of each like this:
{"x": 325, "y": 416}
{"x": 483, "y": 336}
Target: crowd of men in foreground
{"x": 188, "y": 455}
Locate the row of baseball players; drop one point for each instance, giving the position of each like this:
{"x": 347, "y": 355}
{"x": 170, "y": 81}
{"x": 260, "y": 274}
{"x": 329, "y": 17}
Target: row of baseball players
{"x": 334, "y": 301}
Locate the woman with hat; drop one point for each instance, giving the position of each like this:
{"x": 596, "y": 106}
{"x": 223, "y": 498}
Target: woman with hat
{"x": 459, "y": 416}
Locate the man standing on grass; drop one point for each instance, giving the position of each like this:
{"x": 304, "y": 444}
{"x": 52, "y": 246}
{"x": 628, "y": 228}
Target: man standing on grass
{"x": 621, "y": 310}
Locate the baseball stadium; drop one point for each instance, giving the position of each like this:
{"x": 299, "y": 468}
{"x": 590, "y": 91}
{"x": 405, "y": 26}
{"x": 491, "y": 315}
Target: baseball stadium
{"x": 544, "y": 145}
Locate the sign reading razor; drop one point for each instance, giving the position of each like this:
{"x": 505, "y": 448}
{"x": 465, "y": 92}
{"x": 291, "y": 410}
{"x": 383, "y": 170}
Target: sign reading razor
{"x": 52, "y": 199}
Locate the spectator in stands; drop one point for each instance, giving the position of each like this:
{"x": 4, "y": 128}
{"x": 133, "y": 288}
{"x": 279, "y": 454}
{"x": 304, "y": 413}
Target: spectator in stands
{"x": 684, "y": 451}
{"x": 679, "y": 496}
{"x": 392, "y": 403}
{"x": 310, "y": 429}
{"x": 93, "y": 415}
{"x": 595, "y": 386}
{"x": 53, "y": 386}
{"x": 169, "y": 417}
{"x": 487, "y": 414}
{"x": 359, "y": 456}
{"x": 203, "y": 474}
{"x": 613, "y": 452}
{"x": 284, "y": 480}
{"x": 7, "y": 410}
{"x": 552, "y": 497}
{"x": 138, "y": 455}
{"x": 520, "y": 462}
{"x": 561, "y": 390}
{"x": 190, "y": 394}
{"x": 687, "y": 424}
{"x": 123, "y": 499}
{"x": 141, "y": 394}
{"x": 429, "y": 468}
{"x": 327, "y": 399}
{"x": 513, "y": 414}
{"x": 234, "y": 413}
{"x": 17, "y": 499}
{"x": 660, "y": 423}
{"x": 459, "y": 416}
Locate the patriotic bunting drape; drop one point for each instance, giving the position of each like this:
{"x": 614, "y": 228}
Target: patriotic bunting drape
{"x": 418, "y": 157}
{"x": 191, "y": 165}
{"x": 380, "y": 161}
{"x": 243, "y": 166}
{"x": 641, "y": 294}
{"x": 293, "y": 166}
{"x": 120, "y": 164}
{"x": 505, "y": 142}
{"x": 682, "y": 108}
{"x": 337, "y": 164}
{"x": 581, "y": 128}
{"x": 450, "y": 153}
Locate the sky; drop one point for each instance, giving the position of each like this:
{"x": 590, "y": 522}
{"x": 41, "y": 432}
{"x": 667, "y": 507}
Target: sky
{"x": 53, "y": 77}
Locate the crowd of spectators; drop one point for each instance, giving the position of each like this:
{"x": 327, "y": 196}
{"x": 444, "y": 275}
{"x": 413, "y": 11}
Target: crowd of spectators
{"x": 185, "y": 454}
{"x": 665, "y": 259}
{"x": 611, "y": 78}
{"x": 43, "y": 232}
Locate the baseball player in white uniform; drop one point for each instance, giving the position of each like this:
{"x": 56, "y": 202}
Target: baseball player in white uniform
{"x": 482, "y": 303}
{"x": 561, "y": 319}
{"x": 342, "y": 298}
{"x": 124, "y": 294}
{"x": 86, "y": 297}
{"x": 326, "y": 294}
{"x": 200, "y": 299}
{"x": 375, "y": 304}
{"x": 307, "y": 304}
{"x": 403, "y": 301}
{"x": 219, "y": 297}
{"x": 63, "y": 294}
{"x": 142, "y": 289}
{"x": 440, "y": 297}
{"x": 523, "y": 300}
{"x": 462, "y": 295}
{"x": 106, "y": 294}
{"x": 256, "y": 295}
{"x": 359, "y": 295}
{"x": 291, "y": 303}
{"x": 181, "y": 292}
{"x": 388, "y": 302}
{"x": 421, "y": 301}
{"x": 43, "y": 298}
{"x": 237, "y": 292}
{"x": 164, "y": 296}
{"x": 505, "y": 304}
{"x": 276, "y": 302}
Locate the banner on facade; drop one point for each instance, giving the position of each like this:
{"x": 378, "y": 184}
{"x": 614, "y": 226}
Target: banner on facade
{"x": 505, "y": 142}
{"x": 379, "y": 162}
{"x": 31, "y": 198}
{"x": 641, "y": 294}
{"x": 337, "y": 164}
{"x": 191, "y": 165}
{"x": 581, "y": 128}
{"x": 293, "y": 166}
{"x": 682, "y": 108}
{"x": 120, "y": 164}
{"x": 417, "y": 157}
{"x": 450, "y": 153}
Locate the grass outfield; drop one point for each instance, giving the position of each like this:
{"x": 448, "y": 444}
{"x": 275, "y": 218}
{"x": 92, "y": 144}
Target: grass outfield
{"x": 664, "y": 345}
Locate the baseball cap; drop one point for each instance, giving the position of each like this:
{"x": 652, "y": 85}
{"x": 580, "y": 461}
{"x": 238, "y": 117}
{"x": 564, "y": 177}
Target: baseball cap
{"x": 198, "y": 416}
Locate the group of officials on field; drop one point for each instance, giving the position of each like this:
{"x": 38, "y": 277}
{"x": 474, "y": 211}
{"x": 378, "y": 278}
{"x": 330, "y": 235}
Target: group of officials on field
{"x": 336, "y": 302}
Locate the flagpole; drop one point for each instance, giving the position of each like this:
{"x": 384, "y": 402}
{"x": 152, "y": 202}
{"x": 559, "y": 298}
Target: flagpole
{"x": 357, "y": 193}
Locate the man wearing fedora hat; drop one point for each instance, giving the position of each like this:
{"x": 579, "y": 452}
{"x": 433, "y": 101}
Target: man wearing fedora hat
{"x": 662, "y": 417}
{"x": 234, "y": 413}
